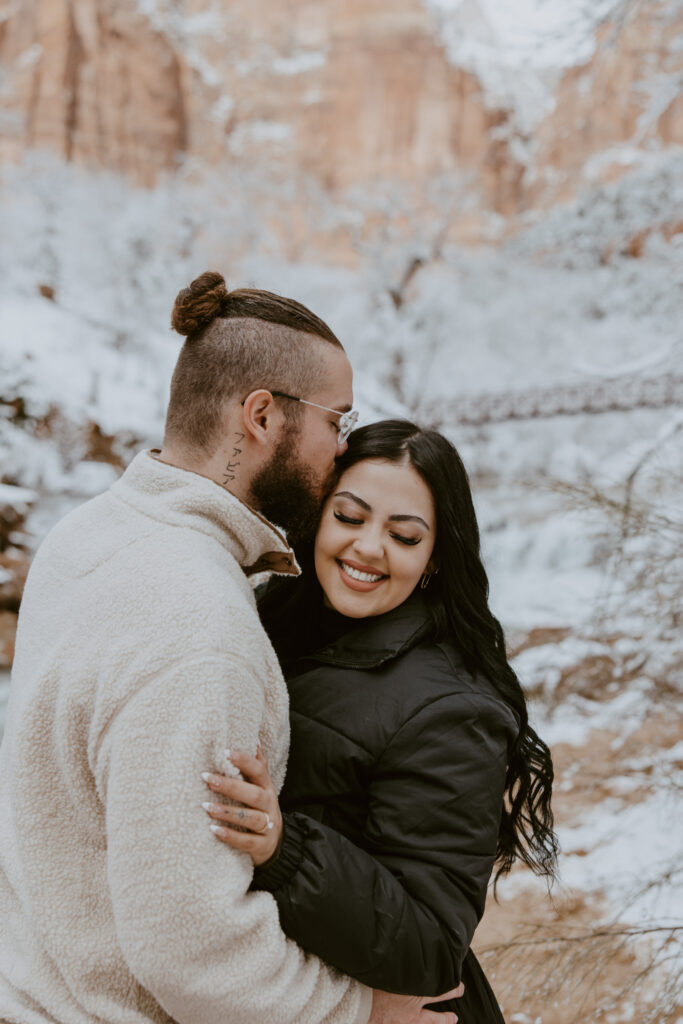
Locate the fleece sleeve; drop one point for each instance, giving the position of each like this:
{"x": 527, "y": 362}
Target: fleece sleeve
{"x": 399, "y": 914}
{"x": 192, "y": 933}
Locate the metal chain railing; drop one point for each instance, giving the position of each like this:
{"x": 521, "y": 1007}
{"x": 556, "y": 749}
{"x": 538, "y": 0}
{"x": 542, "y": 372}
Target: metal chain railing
{"x": 585, "y": 398}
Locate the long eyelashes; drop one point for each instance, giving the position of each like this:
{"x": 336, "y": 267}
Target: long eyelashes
{"x": 409, "y": 541}
{"x": 347, "y": 519}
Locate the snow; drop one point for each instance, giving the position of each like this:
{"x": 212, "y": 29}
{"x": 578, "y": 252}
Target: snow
{"x": 627, "y": 851}
{"x": 170, "y": 18}
{"x": 15, "y": 496}
{"x": 602, "y": 219}
{"x": 660, "y": 91}
{"x": 222, "y": 109}
{"x": 530, "y": 32}
{"x": 622, "y": 846}
{"x": 188, "y": 31}
{"x": 259, "y": 130}
{"x": 519, "y": 49}
{"x": 577, "y": 718}
{"x": 299, "y": 63}
{"x": 30, "y": 56}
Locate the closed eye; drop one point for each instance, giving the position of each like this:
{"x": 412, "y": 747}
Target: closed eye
{"x": 347, "y": 519}
{"x": 406, "y": 540}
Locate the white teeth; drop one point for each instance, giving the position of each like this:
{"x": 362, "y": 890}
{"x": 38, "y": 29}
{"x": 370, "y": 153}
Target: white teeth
{"x": 355, "y": 574}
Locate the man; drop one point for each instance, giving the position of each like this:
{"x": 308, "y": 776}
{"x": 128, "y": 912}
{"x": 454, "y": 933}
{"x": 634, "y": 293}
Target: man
{"x": 140, "y": 660}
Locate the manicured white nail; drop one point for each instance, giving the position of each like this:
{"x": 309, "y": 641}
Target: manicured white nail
{"x": 207, "y": 806}
{"x": 206, "y": 776}
{"x": 216, "y": 828}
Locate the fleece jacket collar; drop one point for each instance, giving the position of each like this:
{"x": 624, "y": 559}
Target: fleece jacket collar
{"x": 182, "y": 498}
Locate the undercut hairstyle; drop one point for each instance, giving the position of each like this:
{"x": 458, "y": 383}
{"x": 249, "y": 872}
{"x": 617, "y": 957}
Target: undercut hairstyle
{"x": 237, "y": 342}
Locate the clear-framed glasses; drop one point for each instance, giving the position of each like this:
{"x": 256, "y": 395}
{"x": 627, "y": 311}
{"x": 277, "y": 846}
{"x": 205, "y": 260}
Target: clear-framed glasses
{"x": 347, "y": 420}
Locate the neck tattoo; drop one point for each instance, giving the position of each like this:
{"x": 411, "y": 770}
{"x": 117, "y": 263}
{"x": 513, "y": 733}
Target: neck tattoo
{"x": 230, "y": 471}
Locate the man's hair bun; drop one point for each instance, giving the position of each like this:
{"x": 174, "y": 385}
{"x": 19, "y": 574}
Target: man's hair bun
{"x": 195, "y": 307}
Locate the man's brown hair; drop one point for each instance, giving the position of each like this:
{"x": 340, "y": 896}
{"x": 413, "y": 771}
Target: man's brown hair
{"x": 236, "y": 342}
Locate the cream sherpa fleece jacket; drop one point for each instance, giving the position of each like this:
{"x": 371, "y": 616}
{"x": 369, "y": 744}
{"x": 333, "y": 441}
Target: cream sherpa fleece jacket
{"x": 140, "y": 659}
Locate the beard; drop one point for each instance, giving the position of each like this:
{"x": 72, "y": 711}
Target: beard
{"x": 289, "y": 493}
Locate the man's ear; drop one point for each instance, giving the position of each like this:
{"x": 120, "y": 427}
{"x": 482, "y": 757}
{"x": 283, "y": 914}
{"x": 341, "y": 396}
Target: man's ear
{"x": 261, "y": 416}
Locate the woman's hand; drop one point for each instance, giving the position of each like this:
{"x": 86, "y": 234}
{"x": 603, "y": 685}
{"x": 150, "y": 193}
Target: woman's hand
{"x": 258, "y": 809}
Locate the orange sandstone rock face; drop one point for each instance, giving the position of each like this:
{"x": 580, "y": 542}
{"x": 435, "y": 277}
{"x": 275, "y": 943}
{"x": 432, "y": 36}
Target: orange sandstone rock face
{"x": 628, "y": 96}
{"x": 346, "y": 94}
{"x": 95, "y": 83}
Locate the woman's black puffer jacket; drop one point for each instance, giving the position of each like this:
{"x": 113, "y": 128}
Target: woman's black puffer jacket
{"x": 392, "y": 805}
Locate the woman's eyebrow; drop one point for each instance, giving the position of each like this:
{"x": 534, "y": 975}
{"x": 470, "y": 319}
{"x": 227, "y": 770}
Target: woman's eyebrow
{"x": 354, "y": 497}
{"x": 368, "y": 508}
{"x": 409, "y": 519}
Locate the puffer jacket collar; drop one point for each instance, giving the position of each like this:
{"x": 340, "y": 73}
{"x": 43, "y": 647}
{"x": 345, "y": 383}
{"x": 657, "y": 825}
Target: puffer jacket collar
{"x": 379, "y": 639}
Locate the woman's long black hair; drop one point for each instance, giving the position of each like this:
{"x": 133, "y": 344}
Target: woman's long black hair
{"x": 457, "y": 596}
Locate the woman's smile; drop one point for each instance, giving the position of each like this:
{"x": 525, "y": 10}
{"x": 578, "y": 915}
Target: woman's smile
{"x": 375, "y": 538}
{"x": 360, "y": 577}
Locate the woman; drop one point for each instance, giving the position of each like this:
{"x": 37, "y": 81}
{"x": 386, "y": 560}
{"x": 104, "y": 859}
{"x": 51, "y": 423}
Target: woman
{"x": 413, "y": 769}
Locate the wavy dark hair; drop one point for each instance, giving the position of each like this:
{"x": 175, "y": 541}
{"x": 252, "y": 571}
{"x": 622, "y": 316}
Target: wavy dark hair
{"x": 457, "y": 597}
